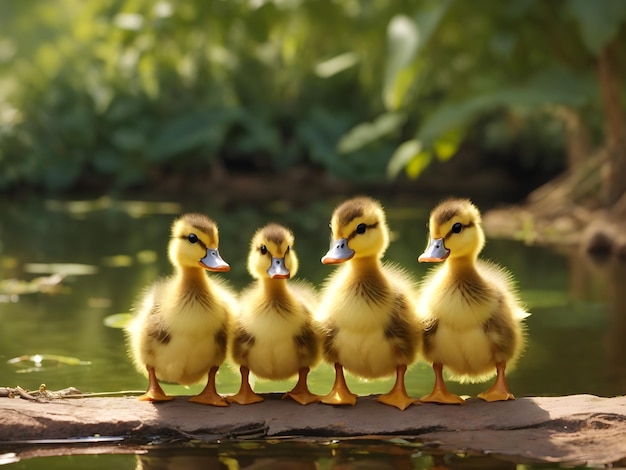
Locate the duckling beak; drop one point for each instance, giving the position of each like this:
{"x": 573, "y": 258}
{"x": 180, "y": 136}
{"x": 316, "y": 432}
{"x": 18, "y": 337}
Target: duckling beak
{"x": 213, "y": 261}
{"x": 435, "y": 251}
{"x": 278, "y": 270}
{"x": 338, "y": 252}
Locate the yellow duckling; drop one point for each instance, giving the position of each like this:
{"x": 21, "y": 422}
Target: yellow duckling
{"x": 471, "y": 309}
{"x": 180, "y": 332}
{"x": 275, "y": 335}
{"x": 372, "y": 329}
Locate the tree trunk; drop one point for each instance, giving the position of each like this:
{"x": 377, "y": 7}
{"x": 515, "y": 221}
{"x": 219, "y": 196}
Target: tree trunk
{"x": 615, "y": 127}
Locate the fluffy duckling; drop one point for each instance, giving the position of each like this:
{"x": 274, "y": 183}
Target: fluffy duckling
{"x": 275, "y": 335}
{"x": 180, "y": 331}
{"x": 372, "y": 329}
{"x": 471, "y": 309}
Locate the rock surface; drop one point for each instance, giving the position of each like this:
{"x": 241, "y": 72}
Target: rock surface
{"x": 577, "y": 429}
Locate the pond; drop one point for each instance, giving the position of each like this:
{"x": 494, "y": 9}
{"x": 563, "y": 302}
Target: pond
{"x": 107, "y": 251}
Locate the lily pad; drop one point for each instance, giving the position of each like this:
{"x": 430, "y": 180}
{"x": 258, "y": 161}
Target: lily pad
{"x": 64, "y": 269}
{"x": 39, "y": 362}
{"x": 118, "y": 320}
{"x": 11, "y": 288}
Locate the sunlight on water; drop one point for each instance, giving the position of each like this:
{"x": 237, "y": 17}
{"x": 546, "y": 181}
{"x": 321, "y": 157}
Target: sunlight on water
{"x": 108, "y": 251}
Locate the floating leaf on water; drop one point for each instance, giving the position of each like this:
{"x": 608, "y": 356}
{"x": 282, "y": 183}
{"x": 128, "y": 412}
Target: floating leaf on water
{"x": 9, "y": 299}
{"x": 39, "y": 359}
{"x": 117, "y": 261}
{"x": 133, "y": 208}
{"x": 15, "y": 287}
{"x": 141, "y": 208}
{"x": 118, "y": 320}
{"x": 147, "y": 256}
{"x": 63, "y": 269}
{"x": 79, "y": 208}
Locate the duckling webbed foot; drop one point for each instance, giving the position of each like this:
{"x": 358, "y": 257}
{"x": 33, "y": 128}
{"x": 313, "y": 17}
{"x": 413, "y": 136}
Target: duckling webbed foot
{"x": 499, "y": 391}
{"x": 153, "y": 395}
{"x": 154, "y": 392}
{"x": 301, "y": 393}
{"x": 209, "y": 395}
{"x": 340, "y": 394}
{"x": 245, "y": 395}
{"x": 440, "y": 393}
{"x": 398, "y": 396}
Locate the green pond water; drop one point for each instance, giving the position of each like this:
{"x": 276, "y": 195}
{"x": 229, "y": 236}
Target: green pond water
{"x": 109, "y": 250}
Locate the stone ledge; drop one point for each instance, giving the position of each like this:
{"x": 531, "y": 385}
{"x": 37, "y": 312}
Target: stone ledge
{"x": 580, "y": 429}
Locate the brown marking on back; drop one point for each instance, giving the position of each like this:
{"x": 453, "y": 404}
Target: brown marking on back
{"x": 429, "y": 332}
{"x": 307, "y": 344}
{"x": 399, "y": 330}
{"x": 242, "y": 343}
{"x": 501, "y": 330}
{"x": 329, "y": 347}
{"x": 154, "y": 329}
{"x": 221, "y": 338}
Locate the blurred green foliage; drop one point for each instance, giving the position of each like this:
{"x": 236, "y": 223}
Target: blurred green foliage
{"x": 125, "y": 92}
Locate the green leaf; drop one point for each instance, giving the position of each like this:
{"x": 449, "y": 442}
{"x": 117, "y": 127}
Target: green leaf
{"x": 337, "y": 64}
{"x": 418, "y": 164}
{"x": 128, "y": 140}
{"x": 183, "y": 134}
{"x": 448, "y": 144}
{"x": 599, "y": 21}
{"x": 118, "y": 320}
{"x": 402, "y": 45}
{"x": 368, "y": 132}
{"x": 38, "y": 359}
{"x": 406, "y": 152}
{"x": 406, "y": 37}
{"x": 554, "y": 86}
{"x": 108, "y": 161}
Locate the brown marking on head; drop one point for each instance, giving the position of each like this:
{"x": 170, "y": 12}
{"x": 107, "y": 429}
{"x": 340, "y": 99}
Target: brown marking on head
{"x": 448, "y": 209}
{"x": 276, "y": 234}
{"x": 351, "y": 209}
{"x": 200, "y": 222}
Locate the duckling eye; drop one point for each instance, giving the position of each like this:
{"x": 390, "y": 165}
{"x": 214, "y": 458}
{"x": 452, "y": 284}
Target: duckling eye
{"x": 360, "y": 229}
{"x": 193, "y": 238}
{"x": 263, "y": 249}
{"x": 456, "y": 228}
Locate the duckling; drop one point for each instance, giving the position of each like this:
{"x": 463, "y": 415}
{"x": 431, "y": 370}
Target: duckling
{"x": 275, "y": 335}
{"x": 470, "y": 306}
{"x": 372, "y": 329}
{"x": 180, "y": 331}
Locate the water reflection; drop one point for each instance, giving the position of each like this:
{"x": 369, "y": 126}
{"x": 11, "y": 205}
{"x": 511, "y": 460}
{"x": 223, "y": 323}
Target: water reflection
{"x": 575, "y": 335}
{"x": 611, "y": 274}
{"x": 352, "y": 454}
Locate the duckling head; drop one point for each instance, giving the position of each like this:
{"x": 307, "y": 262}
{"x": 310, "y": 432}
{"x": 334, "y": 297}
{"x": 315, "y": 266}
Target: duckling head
{"x": 455, "y": 231}
{"x": 194, "y": 243}
{"x": 358, "y": 230}
{"x": 271, "y": 253}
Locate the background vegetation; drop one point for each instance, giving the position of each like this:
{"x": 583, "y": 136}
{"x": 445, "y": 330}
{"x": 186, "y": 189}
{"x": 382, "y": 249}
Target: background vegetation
{"x": 126, "y": 93}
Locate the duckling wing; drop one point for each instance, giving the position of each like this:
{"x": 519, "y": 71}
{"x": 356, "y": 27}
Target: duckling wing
{"x": 308, "y": 344}
{"x": 404, "y": 327}
{"x": 504, "y": 327}
{"x": 504, "y": 282}
{"x": 402, "y": 330}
